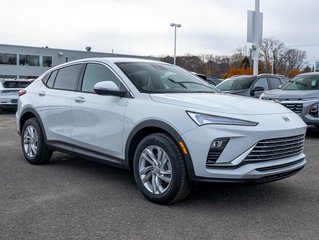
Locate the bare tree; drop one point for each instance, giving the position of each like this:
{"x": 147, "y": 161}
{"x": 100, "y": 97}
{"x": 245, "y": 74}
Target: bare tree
{"x": 272, "y": 52}
{"x": 294, "y": 59}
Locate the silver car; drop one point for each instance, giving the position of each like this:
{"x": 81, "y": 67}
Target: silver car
{"x": 9, "y": 89}
{"x": 301, "y": 95}
{"x": 168, "y": 126}
{"x": 251, "y": 86}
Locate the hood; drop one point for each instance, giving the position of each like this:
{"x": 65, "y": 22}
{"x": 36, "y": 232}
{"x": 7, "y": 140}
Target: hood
{"x": 221, "y": 103}
{"x": 291, "y": 94}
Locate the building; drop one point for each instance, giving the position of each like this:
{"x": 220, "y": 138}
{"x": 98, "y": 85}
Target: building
{"x": 31, "y": 62}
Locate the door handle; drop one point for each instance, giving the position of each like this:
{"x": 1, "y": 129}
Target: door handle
{"x": 79, "y": 99}
{"x": 42, "y": 93}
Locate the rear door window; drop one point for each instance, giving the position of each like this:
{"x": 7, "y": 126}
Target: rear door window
{"x": 274, "y": 82}
{"x": 67, "y": 77}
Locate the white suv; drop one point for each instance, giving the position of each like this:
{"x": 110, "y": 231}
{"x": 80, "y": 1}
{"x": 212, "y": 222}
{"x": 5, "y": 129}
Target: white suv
{"x": 9, "y": 92}
{"x": 168, "y": 126}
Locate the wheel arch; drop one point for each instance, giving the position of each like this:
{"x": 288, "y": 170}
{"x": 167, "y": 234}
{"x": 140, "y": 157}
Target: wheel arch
{"x": 146, "y": 128}
{"x": 27, "y": 114}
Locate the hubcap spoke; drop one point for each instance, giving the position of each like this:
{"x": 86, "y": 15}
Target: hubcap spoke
{"x": 146, "y": 170}
{"x": 154, "y": 187}
{"x": 165, "y": 179}
{"x": 147, "y": 177}
{"x": 150, "y": 154}
{"x": 147, "y": 158}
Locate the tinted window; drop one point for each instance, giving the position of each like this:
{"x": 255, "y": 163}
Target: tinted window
{"x": 51, "y": 79}
{"x": 97, "y": 73}
{"x": 8, "y": 58}
{"x": 29, "y": 60}
{"x": 67, "y": 77}
{"x": 16, "y": 84}
{"x": 47, "y": 61}
{"x": 236, "y": 83}
{"x": 262, "y": 82}
{"x": 274, "y": 82}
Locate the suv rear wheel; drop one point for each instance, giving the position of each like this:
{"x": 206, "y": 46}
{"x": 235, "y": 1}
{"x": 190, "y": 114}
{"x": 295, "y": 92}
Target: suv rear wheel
{"x": 33, "y": 145}
{"x": 159, "y": 170}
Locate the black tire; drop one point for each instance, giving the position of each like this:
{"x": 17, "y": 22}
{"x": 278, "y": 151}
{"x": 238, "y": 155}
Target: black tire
{"x": 166, "y": 192}
{"x": 34, "y": 148}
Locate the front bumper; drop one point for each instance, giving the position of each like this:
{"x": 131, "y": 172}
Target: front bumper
{"x": 304, "y": 112}
{"x": 241, "y": 142}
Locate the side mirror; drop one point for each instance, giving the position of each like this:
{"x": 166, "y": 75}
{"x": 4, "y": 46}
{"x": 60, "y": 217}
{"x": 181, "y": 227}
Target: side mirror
{"x": 108, "y": 88}
{"x": 256, "y": 90}
{"x": 280, "y": 86}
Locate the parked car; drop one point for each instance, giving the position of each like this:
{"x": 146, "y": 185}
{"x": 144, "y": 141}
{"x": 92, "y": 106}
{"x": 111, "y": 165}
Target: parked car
{"x": 251, "y": 86}
{"x": 214, "y": 81}
{"x": 166, "y": 125}
{"x": 300, "y": 95}
{"x": 9, "y": 92}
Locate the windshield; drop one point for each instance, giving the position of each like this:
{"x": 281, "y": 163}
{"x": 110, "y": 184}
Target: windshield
{"x": 303, "y": 82}
{"x": 151, "y": 77}
{"x": 236, "y": 83}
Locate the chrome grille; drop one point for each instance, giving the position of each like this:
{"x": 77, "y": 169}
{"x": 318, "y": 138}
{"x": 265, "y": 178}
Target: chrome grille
{"x": 295, "y": 107}
{"x": 276, "y": 148}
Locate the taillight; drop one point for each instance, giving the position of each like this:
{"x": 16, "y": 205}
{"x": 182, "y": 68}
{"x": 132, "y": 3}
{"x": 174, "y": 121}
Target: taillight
{"x": 22, "y": 92}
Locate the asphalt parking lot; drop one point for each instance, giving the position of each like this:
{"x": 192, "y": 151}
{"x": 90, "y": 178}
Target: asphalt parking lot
{"x": 72, "y": 198}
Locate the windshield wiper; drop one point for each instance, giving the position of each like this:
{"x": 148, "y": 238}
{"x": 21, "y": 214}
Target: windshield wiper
{"x": 179, "y": 83}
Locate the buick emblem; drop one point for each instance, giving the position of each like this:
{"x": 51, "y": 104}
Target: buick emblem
{"x": 285, "y": 118}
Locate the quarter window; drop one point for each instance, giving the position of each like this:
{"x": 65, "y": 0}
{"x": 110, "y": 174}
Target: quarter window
{"x": 67, "y": 77}
{"x": 97, "y": 73}
{"x": 51, "y": 79}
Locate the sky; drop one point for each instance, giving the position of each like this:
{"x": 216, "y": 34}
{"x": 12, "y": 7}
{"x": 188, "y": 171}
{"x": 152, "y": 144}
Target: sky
{"x": 142, "y": 27}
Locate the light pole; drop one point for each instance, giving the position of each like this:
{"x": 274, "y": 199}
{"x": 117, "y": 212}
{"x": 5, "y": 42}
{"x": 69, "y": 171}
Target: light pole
{"x": 175, "y": 25}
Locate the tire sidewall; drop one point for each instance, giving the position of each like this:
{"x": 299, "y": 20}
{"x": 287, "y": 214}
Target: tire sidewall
{"x": 174, "y": 155}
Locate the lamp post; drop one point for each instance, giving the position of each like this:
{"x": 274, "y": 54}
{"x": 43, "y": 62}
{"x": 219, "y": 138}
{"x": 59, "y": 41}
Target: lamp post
{"x": 175, "y": 25}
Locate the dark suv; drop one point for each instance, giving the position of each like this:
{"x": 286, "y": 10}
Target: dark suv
{"x": 251, "y": 86}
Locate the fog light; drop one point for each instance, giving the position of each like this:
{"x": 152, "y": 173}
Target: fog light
{"x": 219, "y": 143}
{"x": 216, "y": 149}
{"x": 314, "y": 110}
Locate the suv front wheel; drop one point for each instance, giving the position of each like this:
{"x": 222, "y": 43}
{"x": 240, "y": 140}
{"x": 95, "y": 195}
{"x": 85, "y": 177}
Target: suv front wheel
{"x": 33, "y": 145}
{"x": 159, "y": 169}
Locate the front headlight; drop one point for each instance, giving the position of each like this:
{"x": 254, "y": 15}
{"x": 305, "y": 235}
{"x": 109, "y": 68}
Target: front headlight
{"x": 203, "y": 119}
{"x": 313, "y": 111}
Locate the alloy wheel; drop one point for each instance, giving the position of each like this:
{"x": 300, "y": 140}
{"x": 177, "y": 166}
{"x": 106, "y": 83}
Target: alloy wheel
{"x": 30, "y": 141}
{"x": 155, "y": 169}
